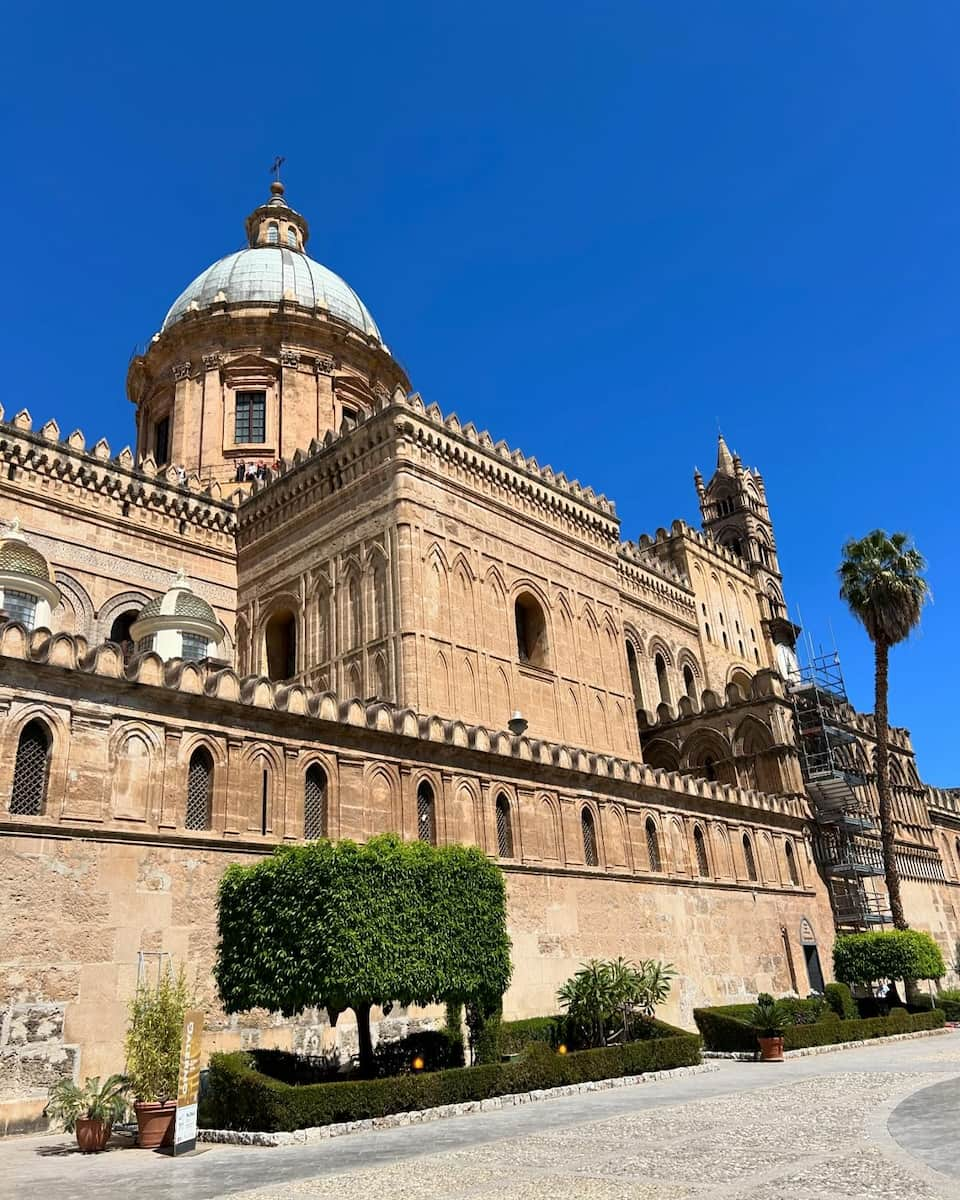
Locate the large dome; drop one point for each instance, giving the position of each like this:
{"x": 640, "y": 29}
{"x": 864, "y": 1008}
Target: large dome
{"x": 270, "y": 275}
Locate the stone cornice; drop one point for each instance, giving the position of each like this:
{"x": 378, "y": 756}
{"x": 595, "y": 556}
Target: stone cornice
{"x": 69, "y": 461}
{"x": 66, "y": 653}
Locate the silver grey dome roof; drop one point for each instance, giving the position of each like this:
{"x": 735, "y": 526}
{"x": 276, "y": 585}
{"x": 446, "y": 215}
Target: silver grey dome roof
{"x": 271, "y": 274}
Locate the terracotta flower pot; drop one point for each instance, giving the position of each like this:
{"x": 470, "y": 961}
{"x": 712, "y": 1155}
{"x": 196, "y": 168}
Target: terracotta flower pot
{"x": 771, "y": 1049}
{"x": 92, "y": 1136}
{"x": 155, "y": 1122}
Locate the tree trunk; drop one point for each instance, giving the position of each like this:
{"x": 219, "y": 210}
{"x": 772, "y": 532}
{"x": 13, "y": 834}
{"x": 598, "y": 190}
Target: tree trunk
{"x": 365, "y": 1039}
{"x": 882, "y": 655}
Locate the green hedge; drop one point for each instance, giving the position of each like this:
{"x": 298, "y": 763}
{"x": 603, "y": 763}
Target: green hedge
{"x": 515, "y": 1036}
{"x": 726, "y": 1028}
{"x": 239, "y": 1097}
{"x": 841, "y": 1000}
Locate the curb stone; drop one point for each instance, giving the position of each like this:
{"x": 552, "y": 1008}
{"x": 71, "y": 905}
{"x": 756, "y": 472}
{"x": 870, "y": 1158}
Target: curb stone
{"x": 807, "y": 1051}
{"x": 299, "y": 1137}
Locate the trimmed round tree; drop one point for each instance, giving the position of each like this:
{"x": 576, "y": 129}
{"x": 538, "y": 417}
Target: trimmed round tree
{"x": 338, "y": 925}
{"x": 895, "y": 954}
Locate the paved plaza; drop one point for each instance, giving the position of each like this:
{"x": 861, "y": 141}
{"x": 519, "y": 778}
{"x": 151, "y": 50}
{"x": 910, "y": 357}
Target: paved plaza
{"x": 875, "y": 1122}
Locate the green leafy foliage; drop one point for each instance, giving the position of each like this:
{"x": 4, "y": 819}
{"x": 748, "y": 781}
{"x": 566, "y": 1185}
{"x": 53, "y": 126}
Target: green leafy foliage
{"x": 605, "y": 1001}
{"x": 895, "y": 954}
{"x": 949, "y": 1001}
{"x": 435, "y": 1048}
{"x": 729, "y": 1028}
{"x": 841, "y": 1000}
{"x": 339, "y": 925}
{"x": 69, "y": 1103}
{"x": 881, "y": 581}
{"x": 154, "y": 1036}
{"x": 240, "y": 1097}
{"x": 769, "y": 1017}
{"x": 515, "y": 1036}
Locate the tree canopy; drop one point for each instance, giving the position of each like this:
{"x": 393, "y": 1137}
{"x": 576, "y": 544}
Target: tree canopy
{"x": 340, "y": 925}
{"x": 895, "y": 954}
{"x": 881, "y": 581}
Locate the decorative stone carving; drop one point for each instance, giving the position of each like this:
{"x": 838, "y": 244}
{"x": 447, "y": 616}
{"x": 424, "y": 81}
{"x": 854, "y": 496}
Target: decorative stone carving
{"x": 324, "y": 364}
{"x": 289, "y": 358}
{"x": 180, "y": 370}
{"x": 212, "y": 361}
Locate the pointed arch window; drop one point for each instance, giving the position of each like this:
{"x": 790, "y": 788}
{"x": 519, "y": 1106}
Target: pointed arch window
{"x": 791, "y": 864}
{"x": 199, "y": 812}
{"x": 633, "y": 667}
{"x": 749, "y": 859}
{"x": 504, "y": 828}
{"x": 663, "y": 683}
{"x": 589, "y": 832}
{"x": 426, "y": 815}
{"x": 31, "y": 772}
{"x": 653, "y": 846}
{"x": 531, "y": 631}
{"x": 689, "y": 682}
{"x": 700, "y": 849}
{"x": 314, "y": 803}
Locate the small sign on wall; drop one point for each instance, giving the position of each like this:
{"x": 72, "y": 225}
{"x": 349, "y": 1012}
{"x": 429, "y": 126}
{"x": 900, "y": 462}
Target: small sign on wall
{"x": 188, "y": 1084}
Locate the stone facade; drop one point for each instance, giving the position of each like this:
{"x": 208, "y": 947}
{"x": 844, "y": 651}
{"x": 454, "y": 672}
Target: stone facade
{"x": 416, "y": 629}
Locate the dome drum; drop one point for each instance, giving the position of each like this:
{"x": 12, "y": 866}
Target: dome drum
{"x": 178, "y": 624}
{"x": 27, "y": 592}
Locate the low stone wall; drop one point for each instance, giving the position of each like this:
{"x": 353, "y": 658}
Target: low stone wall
{"x": 319, "y": 1133}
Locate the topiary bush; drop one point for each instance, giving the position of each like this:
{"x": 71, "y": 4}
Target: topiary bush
{"x": 841, "y": 1000}
{"x": 240, "y": 1097}
{"x": 515, "y": 1036}
{"x": 894, "y": 954}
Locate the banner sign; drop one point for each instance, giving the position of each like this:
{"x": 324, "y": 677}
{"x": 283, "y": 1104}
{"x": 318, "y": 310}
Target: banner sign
{"x": 188, "y": 1084}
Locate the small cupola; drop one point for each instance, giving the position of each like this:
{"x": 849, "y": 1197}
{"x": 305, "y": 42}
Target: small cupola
{"x": 277, "y": 224}
{"x": 27, "y": 592}
{"x": 178, "y": 624}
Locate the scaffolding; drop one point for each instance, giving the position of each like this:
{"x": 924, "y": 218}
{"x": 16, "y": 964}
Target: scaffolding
{"x": 846, "y": 844}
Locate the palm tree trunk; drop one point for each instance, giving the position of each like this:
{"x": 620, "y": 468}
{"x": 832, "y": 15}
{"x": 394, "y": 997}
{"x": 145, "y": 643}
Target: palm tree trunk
{"x": 882, "y": 655}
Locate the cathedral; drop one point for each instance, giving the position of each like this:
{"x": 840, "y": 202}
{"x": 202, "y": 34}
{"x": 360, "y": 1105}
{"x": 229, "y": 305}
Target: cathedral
{"x": 305, "y": 603}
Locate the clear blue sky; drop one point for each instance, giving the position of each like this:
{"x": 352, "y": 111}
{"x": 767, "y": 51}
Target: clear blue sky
{"x": 595, "y": 230}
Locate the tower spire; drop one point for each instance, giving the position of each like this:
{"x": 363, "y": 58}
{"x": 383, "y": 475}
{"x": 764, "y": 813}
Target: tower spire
{"x": 725, "y": 464}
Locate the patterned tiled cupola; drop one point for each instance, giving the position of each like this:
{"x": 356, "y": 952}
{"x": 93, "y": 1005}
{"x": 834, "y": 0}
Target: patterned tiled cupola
{"x": 178, "y": 624}
{"x": 276, "y": 223}
{"x": 27, "y": 592}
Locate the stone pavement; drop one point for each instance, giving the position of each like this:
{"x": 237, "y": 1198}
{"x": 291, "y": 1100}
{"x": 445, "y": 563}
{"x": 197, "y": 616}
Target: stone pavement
{"x": 874, "y": 1122}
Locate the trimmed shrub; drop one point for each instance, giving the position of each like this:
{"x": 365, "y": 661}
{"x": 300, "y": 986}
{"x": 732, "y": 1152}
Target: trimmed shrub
{"x": 438, "y": 1049}
{"x": 895, "y": 954}
{"x": 841, "y": 1000}
{"x": 515, "y": 1036}
{"x": 830, "y": 1033}
{"x": 949, "y": 1001}
{"x": 240, "y": 1097}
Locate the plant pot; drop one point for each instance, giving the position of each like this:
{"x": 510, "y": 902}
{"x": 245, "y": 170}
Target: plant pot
{"x": 155, "y": 1123}
{"x": 771, "y": 1049}
{"x": 92, "y": 1135}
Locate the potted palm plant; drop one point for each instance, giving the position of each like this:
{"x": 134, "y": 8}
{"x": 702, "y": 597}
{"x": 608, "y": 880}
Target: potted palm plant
{"x": 153, "y": 1055}
{"x": 768, "y": 1020}
{"x": 89, "y": 1111}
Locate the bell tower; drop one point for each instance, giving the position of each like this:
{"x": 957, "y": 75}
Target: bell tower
{"x": 734, "y": 510}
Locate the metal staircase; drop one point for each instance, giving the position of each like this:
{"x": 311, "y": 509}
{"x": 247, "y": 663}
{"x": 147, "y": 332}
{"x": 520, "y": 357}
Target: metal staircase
{"x": 846, "y": 846}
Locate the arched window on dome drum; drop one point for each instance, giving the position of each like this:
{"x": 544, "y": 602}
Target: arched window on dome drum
{"x": 504, "y": 828}
{"x": 199, "y": 814}
{"x": 589, "y": 832}
{"x": 292, "y": 237}
{"x": 20, "y": 606}
{"x": 749, "y": 860}
{"x": 791, "y": 864}
{"x": 700, "y": 847}
{"x": 273, "y": 233}
{"x": 663, "y": 683}
{"x": 689, "y": 682}
{"x": 314, "y": 803}
{"x": 31, "y": 771}
{"x": 653, "y": 846}
{"x": 426, "y": 816}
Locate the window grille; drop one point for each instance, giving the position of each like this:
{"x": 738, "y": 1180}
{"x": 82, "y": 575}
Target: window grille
{"x": 273, "y": 233}
{"x": 20, "y": 606}
{"x": 700, "y": 846}
{"x": 145, "y": 644}
{"x": 292, "y": 237}
{"x": 653, "y": 846}
{"x": 194, "y": 646}
{"x": 589, "y": 838}
{"x": 199, "y": 791}
{"x": 426, "y": 829}
{"x": 250, "y": 417}
{"x": 749, "y": 859}
{"x": 314, "y": 803}
{"x": 791, "y": 864}
{"x": 504, "y": 828}
{"x": 31, "y": 771}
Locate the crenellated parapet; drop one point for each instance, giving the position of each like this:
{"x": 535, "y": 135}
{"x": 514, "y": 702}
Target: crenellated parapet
{"x": 116, "y": 478}
{"x": 401, "y": 425}
{"x": 218, "y": 682}
{"x": 658, "y": 545}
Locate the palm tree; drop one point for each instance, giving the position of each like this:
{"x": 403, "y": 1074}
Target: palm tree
{"x": 881, "y": 581}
